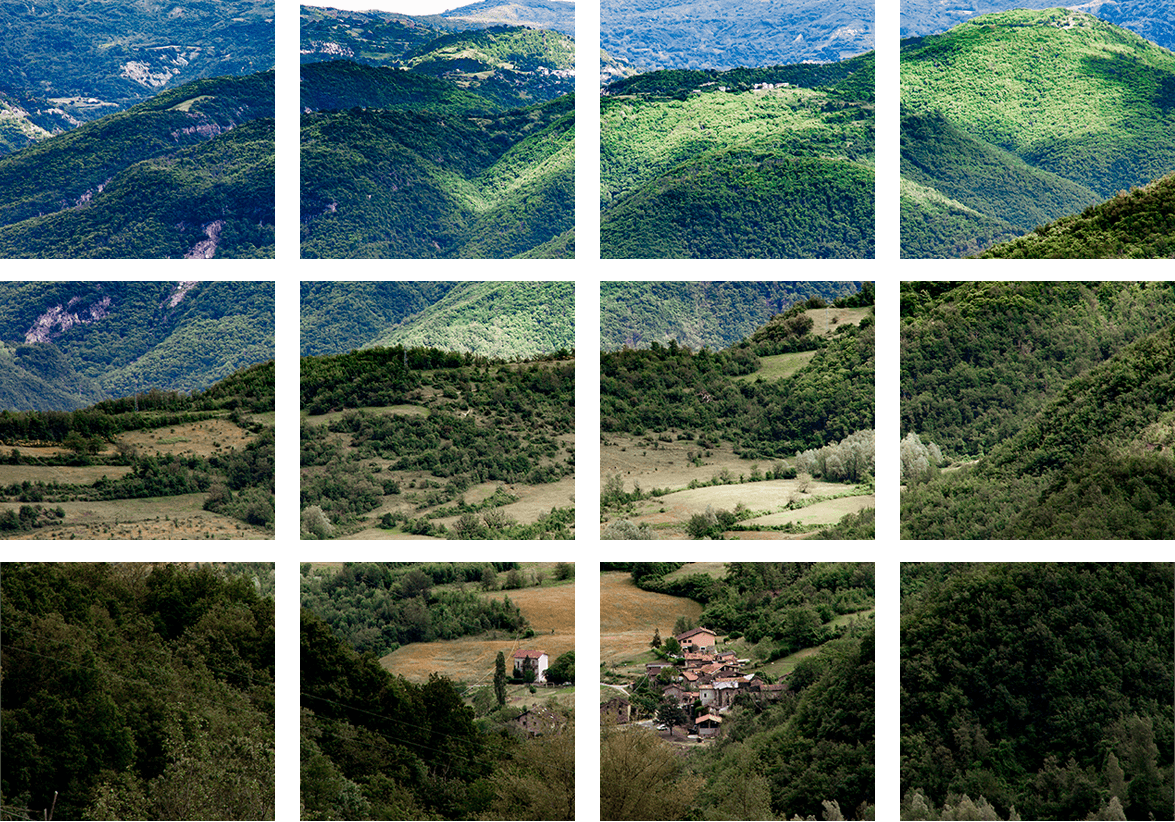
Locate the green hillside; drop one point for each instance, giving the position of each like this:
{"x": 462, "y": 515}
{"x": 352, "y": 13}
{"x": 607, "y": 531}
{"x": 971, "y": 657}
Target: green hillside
{"x": 455, "y": 144}
{"x": 500, "y": 319}
{"x": 745, "y": 163}
{"x": 341, "y": 316}
{"x": 1024, "y": 117}
{"x": 1064, "y": 392}
{"x": 511, "y": 66}
{"x": 426, "y": 184}
{"x": 1139, "y": 224}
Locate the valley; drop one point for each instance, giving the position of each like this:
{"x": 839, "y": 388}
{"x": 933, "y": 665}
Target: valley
{"x": 185, "y": 174}
{"x": 1139, "y": 224}
{"x": 137, "y": 410}
{"x": 711, "y": 676}
{"x": 482, "y": 653}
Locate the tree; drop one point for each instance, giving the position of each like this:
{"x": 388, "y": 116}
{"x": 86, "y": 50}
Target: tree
{"x": 656, "y": 643}
{"x": 489, "y": 578}
{"x": 563, "y": 669}
{"x": 539, "y": 781}
{"x": 672, "y": 646}
{"x": 564, "y": 570}
{"x": 670, "y": 712}
{"x": 641, "y": 776}
{"x": 500, "y": 678}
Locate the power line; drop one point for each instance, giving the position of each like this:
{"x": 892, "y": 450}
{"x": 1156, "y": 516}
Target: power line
{"x": 397, "y": 741}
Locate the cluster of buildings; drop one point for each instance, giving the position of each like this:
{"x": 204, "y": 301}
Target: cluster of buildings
{"x": 702, "y": 681}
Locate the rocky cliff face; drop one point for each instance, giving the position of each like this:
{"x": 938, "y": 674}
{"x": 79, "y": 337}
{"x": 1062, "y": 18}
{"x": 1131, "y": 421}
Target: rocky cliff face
{"x": 60, "y": 318}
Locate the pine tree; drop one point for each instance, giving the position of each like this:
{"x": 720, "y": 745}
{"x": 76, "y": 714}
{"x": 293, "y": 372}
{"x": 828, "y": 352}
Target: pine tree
{"x": 500, "y": 678}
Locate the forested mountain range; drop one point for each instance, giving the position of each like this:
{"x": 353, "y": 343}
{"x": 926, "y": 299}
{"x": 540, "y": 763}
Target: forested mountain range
{"x": 1064, "y": 393}
{"x": 420, "y": 141}
{"x": 763, "y": 162}
{"x": 1037, "y": 690}
{"x": 66, "y": 345}
{"x": 656, "y": 34}
{"x": 492, "y": 319}
{"x": 507, "y": 66}
{"x": 991, "y": 153}
{"x": 381, "y": 38}
{"x": 1135, "y": 224}
{"x": 540, "y": 14}
{"x": 342, "y": 316}
{"x": 70, "y": 61}
{"x": 188, "y": 173}
{"x": 440, "y": 143}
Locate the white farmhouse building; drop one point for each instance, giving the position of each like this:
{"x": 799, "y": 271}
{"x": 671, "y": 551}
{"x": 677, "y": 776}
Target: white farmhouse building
{"x": 531, "y": 660}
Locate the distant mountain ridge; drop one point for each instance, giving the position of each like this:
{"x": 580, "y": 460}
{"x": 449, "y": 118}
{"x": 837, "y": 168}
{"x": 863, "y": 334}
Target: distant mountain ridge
{"x": 723, "y": 34}
{"x": 699, "y": 314}
{"x": 493, "y": 319}
{"x": 1151, "y": 19}
{"x": 499, "y": 319}
{"x": 545, "y": 14}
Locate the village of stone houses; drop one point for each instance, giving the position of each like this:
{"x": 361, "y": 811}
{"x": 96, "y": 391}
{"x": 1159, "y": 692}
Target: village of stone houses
{"x": 693, "y": 688}
{"x": 736, "y": 690}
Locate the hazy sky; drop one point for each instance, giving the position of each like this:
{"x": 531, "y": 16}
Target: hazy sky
{"x": 413, "y": 7}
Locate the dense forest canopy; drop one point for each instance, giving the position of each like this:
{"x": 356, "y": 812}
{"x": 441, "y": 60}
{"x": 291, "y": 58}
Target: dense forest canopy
{"x": 1042, "y": 689}
{"x": 1073, "y": 428}
{"x": 979, "y": 359}
{"x": 138, "y": 691}
{"x": 377, "y": 607}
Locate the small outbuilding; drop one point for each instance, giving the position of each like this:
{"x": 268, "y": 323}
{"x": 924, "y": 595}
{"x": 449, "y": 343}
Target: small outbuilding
{"x": 708, "y": 725}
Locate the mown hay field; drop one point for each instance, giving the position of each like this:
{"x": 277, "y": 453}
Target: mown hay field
{"x": 826, "y": 512}
{"x": 175, "y": 517}
{"x": 550, "y": 610}
{"x": 629, "y": 616}
{"x": 202, "y": 438}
